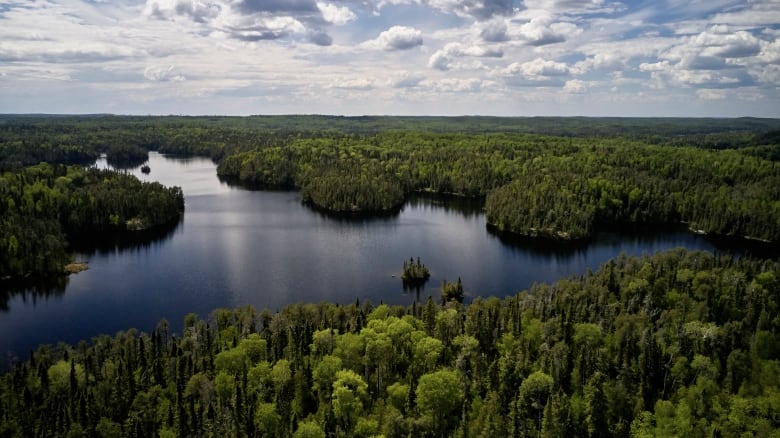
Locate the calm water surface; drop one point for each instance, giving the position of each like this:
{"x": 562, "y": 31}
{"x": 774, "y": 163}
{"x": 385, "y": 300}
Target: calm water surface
{"x": 235, "y": 247}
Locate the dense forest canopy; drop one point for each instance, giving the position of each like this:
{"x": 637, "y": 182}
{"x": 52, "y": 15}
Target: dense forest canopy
{"x": 676, "y": 344}
{"x": 41, "y": 205}
{"x": 535, "y": 185}
{"x": 543, "y": 176}
{"x": 29, "y": 139}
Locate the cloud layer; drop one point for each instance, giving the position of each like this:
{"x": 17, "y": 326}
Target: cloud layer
{"x": 503, "y": 57}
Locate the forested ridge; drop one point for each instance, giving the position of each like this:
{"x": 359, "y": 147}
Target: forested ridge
{"x": 674, "y": 344}
{"x": 559, "y": 178}
{"x": 42, "y": 206}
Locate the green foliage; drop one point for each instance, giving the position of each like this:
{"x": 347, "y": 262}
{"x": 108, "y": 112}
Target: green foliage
{"x": 561, "y": 178}
{"x": 675, "y": 344}
{"x": 309, "y": 429}
{"x": 452, "y": 291}
{"x": 439, "y": 396}
{"x": 44, "y": 205}
{"x": 567, "y": 194}
{"x": 126, "y": 155}
{"x": 415, "y": 271}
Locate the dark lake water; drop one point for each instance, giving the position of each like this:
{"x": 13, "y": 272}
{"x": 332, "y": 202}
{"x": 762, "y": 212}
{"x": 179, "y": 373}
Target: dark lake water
{"x": 235, "y": 247}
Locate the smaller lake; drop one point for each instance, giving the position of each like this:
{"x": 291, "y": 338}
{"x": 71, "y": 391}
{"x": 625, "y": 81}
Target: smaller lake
{"x": 235, "y": 247}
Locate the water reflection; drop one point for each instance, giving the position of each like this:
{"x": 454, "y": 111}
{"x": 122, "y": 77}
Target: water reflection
{"x": 536, "y": 246}
{"x": 466, "y": 207}
{"x": 109, "y": 242}
{"x": 746, "y": 247}
{"x": 356, "y": 217}
{"x": 126, "y": 163}
{"x": 31, "y": 290}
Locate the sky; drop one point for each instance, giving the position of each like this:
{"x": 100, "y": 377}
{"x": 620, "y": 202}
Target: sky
{"x": 676, "y": 58}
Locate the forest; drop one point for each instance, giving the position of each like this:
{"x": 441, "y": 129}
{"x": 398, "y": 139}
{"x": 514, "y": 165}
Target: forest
{"x": 675, "y": 344}
{"x": 534, "y": 185}
{"x": 43, "y": 206}
{"x": 559, "y": 178}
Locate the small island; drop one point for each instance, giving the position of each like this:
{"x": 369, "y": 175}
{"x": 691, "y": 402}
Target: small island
{"x": 415, "y": 271}
{"x": 452, "y": 291}
{"x": 145, "y": 169}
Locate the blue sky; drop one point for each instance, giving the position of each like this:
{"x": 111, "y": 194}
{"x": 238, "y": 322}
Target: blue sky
{"x": 716, "y": 58}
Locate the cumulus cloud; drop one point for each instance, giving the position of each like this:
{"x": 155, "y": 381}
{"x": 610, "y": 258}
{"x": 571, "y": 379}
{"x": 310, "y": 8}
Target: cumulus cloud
{"x": 736, "y": 45}
{"x": 654, "y": 66}
{"x": 196, "y": 10}
{"x": 397, "y": 38}
{"x": 685, "y": 73}
{"x": 769, "y": 74}
{"x": 714, "y": 59}
{"x": 407, "y": 80}
{"x": 612, "y": 61}
{"x": 574, "y": 86}
{"x": 261, "y": 28}
{"x": 163, "y": 74}
{"x": 360, "y": 84}
{"x": 444, "y": 58}
{"x": 294, "y": 7}
{"x": 494, "y": 31}
{"x": 710, "y": 94}
{"x": 538, "y": 68}
{"x": 541, "y": 31}
{"x": 454, "y": 85}
{"x": 338, "y": 15}
{"x": 479, "y": 9}
{"x": 320, "y": 38}
{"x": 256, "y": 20}
{"x": 552, "y": 48}
{"x": 569, "y": 6}
{"x": 716, "y": 43}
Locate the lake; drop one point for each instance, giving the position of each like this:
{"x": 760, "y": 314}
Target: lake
{"x": 235, "y": 247}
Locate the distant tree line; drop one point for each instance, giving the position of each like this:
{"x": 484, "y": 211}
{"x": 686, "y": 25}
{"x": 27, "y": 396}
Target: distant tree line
{"x": 676, "y": 344}
{"x": 41, "y": 205}
{"x": 555, "y": 177}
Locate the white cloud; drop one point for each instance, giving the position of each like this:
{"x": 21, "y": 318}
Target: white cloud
{"x": 158, "y": 73}
{"x": 338, "y": 15}
{"x": 769, "y": 75}
{"x": 445, "y": 58}
{"x": 479, "y": 9}
{"x": 255, "y": 56}
{"x": 753, "y": 13}
{"x": 196, "y": 10}
{"x": 654, "y": 66}
{"x": 537, "y": 68}
{"x": 407, "y": 80}
{"x": 728, "y": 45}
{"x": 354, "y": 84}
{"x": 710, "y": 94}
{"x": 455, "y": 85}
{"x": 563, "y": 5}
{"x": 541, "y": 31}
{"x": 574, "y": 86}
{"x": 494, "y": 31}
{"x": 397, "y": 38}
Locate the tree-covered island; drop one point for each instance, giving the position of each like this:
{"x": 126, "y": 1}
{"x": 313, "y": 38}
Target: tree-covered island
{"x": 415, "y": 271}
{"x": 42, "y": 206}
